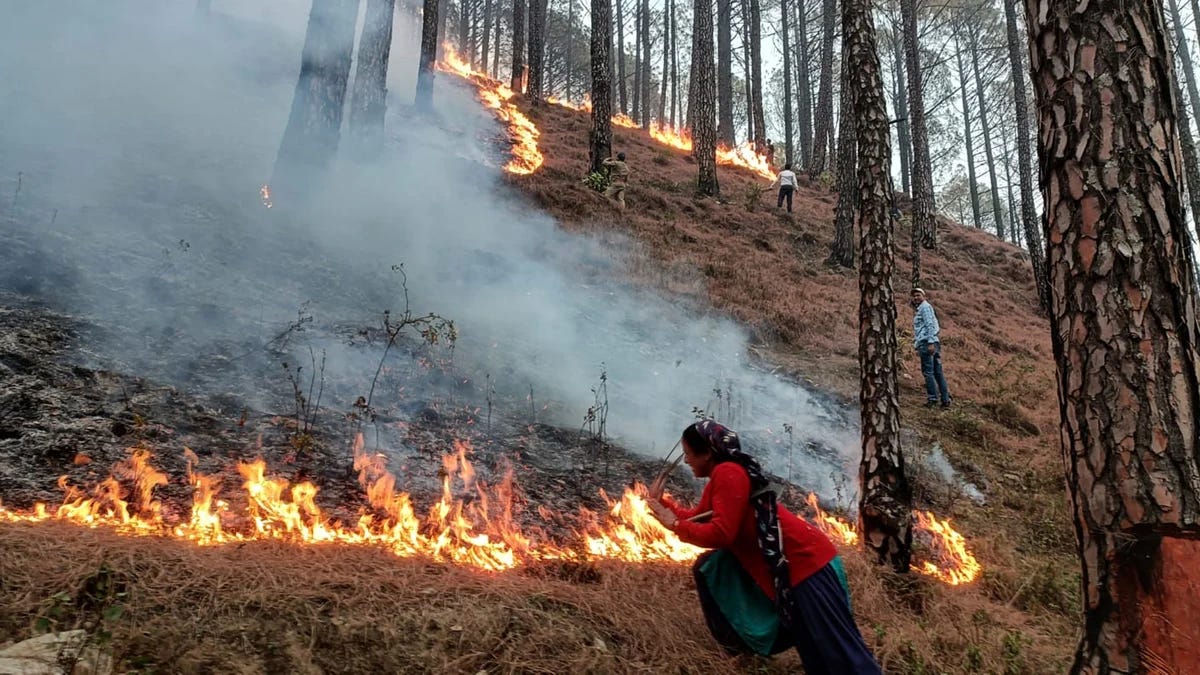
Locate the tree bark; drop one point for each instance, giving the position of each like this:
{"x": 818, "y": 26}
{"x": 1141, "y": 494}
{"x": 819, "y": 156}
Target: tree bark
{"x": 1033, "y": 240}
{"x": 924, "y": 226}
{"x": 1190, "y": 162}
{"x": 818, "y": 159}
{"x": 987, "y": 132}
{"x": 486, "y": 37}
{"x": 968, "y": 139}
{"x": 885, "y": 505}
{"x": 429, "y": 48}
{"x": 666, "y": 64}
{"x": 600, "y": 140}
{"x": 725, "y": 130}
{"x": 637, "y": 61}
{"x": 842, "y": 252}
{"x": 568, "y": 57}
{"x": 537, "y": 50}
{"x": 1124, "y": 327}
{"x": 702, "y": 99}
{"x": 787, "y": 84}
{"x": 804, "y": 88}
{"x": 674, "y": 67}
{"x": 464, "y": 27}
{"x": 517, "y": 83}
{"x": 443, "y": 15}
{"x": 748, "y": 64}
{"x": 496, "y": 51}
{"x": 368, "y": 104}
{"x": 647, "y": 71}
{"x": 760, "y": 125}
{"x": 310, "y": 140}
{"x": 621, "y": 88}
{"x": 903, "y": 137}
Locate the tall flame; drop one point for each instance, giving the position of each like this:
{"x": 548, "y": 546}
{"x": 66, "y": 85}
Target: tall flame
{"x": 471, "y": 523}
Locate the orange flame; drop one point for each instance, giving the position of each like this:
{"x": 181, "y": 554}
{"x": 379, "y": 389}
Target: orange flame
{"x": 526, "y": 158}
{"x": 479, "y": 531}
{"x": 742, "y": 156}
{"x": 265, "y": 193}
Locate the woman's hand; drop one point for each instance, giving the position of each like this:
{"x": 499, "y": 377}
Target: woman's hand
{"x": 657, "y": 487}
{"x": 663, "y": 514}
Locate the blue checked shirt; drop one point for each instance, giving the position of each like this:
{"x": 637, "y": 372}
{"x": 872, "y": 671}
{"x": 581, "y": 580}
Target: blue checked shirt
{"x": 925, "y": 325}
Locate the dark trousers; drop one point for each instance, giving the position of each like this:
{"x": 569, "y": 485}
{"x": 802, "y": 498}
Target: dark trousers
{"x": 824, "y": 634}
{"x": 931, "y": 368}
{"x": 785, "y": 192}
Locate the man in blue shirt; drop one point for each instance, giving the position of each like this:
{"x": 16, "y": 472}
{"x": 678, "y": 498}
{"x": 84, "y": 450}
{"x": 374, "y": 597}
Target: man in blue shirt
{"x": 929, "y": 347}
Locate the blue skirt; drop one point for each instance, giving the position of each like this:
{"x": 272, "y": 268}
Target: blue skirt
{"x": 743, "y": 619}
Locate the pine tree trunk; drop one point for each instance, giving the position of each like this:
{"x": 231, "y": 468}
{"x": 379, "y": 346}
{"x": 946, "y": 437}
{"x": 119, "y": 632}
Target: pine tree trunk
{"x": 443, "y": 15}
{"x": 464, "y": 27}
{"x": 429, "y": 48}
{"x": 537, "y": 50}
{"x": 647, "y": 71}
{"x": 885, "y": 504}
{"x": 968, "y": 139}
{"x": 1008, "y": 181}
{"x": 496, "y": 51}
{"x": 568, "y": 59}
{"x": 621, "y": 88}
{"x": 1124, "y": 326}
{"x": 486, "y": 36}
{"x": 702, "y": 99}
{"x": 747, "y": 62}
{"x": 674, "y": 67}
{"x": 1033, "y": 240}
{"x": 666, "y": 65}
{"x": 310, "y": 140}
{"x": 987, "y": 133}
{"x": 517, "y": 83}
{"x": 924, "y": 227}
{"x": 842, "y": 252}
{"x": 787, "y": 84}
{"x": 818, "y": 159}
{"x": 1190, "y": 162}
{"x": 760, "y": 124}
{"x": 725, "y": 131}
{"x": 903, "y": 137}
{"x": 600, "y": 141}
{"x": 368, "y": 104}
{"x": 637, "y": 61}
{"x": 804, "y": 89}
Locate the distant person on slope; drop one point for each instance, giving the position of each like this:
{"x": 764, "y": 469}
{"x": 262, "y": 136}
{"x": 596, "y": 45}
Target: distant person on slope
{"x": 787, "y": 186}
{"x": 929, "y": 347}
{"x": 618, "y": 173}
{"x": 774, "y": 582}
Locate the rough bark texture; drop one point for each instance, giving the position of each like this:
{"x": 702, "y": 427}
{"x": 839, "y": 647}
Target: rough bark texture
{"x": 311, "y": 138}
{"x": 621, "y": 88}
{"x": 429, "y": 46}
{"x": 1033, "y": 239}
{"x": 1123, "y": 317}
{"x": 760, "y": 124}
{"x": 968, "y": 138}
{"x": 903, "y": 137}
{"x": 818, "y": 159}
{"x": 885, "y": 504}
{"x": 987, "y": 133}
{"x": 842, "y": 252}
{"x": 804, "y": 88}
{"x": 518, "y": 47}
{"x": 787, "y": 84}
{"x": 702, "y": 99}
{"x": 647, "y": 83}
{"x": 537, "y": 50}
{"x": 725, "y": 131}
{"x": 1190, "y": 162}
{"x": 368, "y": 105}
{"x": 924, "y": 227}
{"x": 600, "y": 145}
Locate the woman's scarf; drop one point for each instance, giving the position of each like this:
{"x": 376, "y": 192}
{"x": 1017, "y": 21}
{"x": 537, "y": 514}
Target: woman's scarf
{"x": 723, "y": 443}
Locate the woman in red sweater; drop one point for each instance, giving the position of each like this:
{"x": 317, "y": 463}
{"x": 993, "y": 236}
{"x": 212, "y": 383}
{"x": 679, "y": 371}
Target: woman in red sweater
{"x": 793, "y": 563}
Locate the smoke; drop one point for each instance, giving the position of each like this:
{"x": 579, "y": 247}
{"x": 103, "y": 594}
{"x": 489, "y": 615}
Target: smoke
{"x": 143, "y": 135}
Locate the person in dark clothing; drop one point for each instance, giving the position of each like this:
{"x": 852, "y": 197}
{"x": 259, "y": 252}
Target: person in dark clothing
{"x": 774, "y": 581}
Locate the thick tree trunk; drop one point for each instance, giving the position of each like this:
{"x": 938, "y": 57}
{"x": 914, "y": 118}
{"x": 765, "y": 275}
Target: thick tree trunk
{"x": 968, "y": 138}
{"x": 747, "y": 62}
{"x": 725, "y": 131}
{"x": 600, "y": 141}
{"x": 903, "y": 137}
{"x": 1124, "y": 326}
{"x": 674, "y": 67}
{"x": 666, "y": 64}
{"x": 787, "y": 84}
{"x": 537, "y": 50}
{"x": 486, "y": 36}
{"x": 464, "y": 27}
{"x": 368, "y": 104}
{"x": 621, "y": 88}
{"x": 924, "y": 226}
{"x": 1033, "y": 240}
{"x": 842, "y": 252}
{"x": 804, "y": 89}
{"x": 987, "y": 133}
{"x": 517, "y": 83}
{"x": 637, "y": 61}
{"x": 818, "y": 159}
{"x": 1190, "y": 162}
{"x": 310, "y": 140}
{"x": 760, "y": 124}
{"x": 702, "y": 99}
{"x": 496, "y": 51}
{"x": 647, "y": 71}
{"x": 429, "y": 49}
{"x": 443, "y": 15}
{"x": 885, "y": 505}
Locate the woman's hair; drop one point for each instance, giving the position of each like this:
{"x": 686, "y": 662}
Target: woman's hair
{"x": 787, "y": 167}
{"x": 707, "y": 436}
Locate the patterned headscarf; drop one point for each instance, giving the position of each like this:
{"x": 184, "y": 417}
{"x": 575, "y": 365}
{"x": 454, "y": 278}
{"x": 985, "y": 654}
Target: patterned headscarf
{"x": 725, "y": 447}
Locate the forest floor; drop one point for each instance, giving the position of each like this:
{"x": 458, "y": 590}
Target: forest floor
{"x": 239, "y": 608}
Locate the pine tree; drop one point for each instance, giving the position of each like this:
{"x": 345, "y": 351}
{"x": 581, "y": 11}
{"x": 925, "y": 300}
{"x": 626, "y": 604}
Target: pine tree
{"x": 702, "y": 96}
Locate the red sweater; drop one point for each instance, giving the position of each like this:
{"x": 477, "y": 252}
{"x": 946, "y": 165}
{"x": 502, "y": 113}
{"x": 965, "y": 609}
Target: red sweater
{"x": 732, "y": 527}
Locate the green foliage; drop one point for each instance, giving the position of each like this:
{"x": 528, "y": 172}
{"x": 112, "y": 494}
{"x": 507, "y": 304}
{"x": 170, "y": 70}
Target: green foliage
{"x": 95, "y": 607}
{"x": 598, "y": 181}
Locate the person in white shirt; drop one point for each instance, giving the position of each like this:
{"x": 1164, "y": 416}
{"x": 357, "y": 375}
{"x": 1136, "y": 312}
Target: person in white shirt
{"x": 787, "y": 186}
